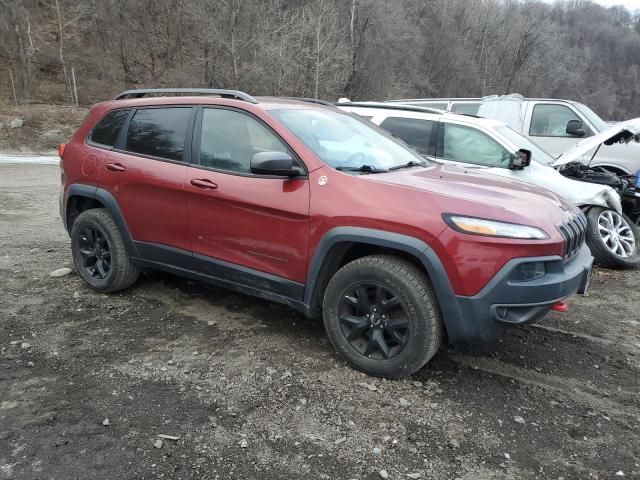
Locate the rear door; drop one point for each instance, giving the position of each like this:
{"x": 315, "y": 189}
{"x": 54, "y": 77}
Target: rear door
{"x": 245, "y": 228}
{"x": 145, "y": 173}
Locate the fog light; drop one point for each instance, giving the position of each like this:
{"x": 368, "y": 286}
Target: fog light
{"x": 526, "y": 272}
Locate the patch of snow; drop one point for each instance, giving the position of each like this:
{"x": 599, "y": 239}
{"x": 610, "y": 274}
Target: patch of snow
{"x": 38, "y": 159}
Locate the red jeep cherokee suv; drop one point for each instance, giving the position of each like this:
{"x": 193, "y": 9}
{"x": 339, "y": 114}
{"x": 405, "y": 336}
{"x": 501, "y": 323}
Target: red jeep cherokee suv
{"x": 299, "y": 203}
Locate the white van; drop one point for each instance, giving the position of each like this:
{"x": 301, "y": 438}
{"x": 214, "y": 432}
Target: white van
{"x": 555, "y": 125}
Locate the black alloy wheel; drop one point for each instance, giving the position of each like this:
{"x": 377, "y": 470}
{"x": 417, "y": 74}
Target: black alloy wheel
{"x": 100, "y": 253}
{"x": 95, "y": 250}
{"x": 374, "y": 321}
{"x": 382, "y": 316}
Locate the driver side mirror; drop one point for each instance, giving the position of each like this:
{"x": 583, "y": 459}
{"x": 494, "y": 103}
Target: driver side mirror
{"x": 574, "y": 127}
{"x": 521, "y": 159}
{"x": 274, "y": 163}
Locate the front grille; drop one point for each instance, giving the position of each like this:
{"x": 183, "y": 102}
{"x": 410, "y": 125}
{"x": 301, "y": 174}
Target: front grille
{"x": 574, "y": 232}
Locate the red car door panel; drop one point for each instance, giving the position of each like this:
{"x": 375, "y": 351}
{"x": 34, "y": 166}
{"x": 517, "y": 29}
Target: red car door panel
{"x": 254, "y": 222}
{"x": 150, "y": 194}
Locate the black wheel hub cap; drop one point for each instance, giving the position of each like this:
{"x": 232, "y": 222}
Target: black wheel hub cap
{"x": 95, "y": 252}
{"x": 373, "y": 320}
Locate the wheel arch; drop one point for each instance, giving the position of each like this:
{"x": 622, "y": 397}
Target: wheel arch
{"x": 617, "y": 169}
{"x": 80, "y": 197}
{"x": 344, "y": 244}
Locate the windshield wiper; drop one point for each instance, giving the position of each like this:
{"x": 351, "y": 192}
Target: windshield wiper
{"x": 412, "y": 163}
{"x": 362, "y": 168}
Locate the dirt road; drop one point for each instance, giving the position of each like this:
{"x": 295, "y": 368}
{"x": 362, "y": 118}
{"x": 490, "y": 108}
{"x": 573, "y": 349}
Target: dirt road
{"x": 255, "y": 391}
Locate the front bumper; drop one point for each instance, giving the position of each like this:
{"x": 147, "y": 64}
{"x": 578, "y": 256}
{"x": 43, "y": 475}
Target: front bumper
{"x": 503, "y": 302}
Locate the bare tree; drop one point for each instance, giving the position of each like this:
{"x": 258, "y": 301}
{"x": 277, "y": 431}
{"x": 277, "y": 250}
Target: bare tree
{"x": 365, "y": 49}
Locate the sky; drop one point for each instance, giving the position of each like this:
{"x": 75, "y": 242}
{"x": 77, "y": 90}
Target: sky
{"x": 632, "y": 5}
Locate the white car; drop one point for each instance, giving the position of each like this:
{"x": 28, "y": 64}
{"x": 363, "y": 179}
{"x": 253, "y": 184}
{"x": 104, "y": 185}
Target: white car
{"x": 491, "y": 145}
{"x": 554, "y": 124}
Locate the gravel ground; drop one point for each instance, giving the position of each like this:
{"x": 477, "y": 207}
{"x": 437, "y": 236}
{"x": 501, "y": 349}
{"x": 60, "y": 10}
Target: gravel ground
{"x": 252, "y": 390}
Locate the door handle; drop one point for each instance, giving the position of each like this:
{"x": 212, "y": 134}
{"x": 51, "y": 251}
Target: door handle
{"x": 115, "y": 167}
{"x": 203, "y": 183}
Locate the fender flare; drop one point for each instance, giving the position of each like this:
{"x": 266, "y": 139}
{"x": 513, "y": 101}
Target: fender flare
{"x": 443, "y": 290}
{"x": 110, "y": 204}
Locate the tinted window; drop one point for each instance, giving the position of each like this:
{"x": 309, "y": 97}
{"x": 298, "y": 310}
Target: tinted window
{"x": 229, "y": 139}
{"x": 158, "y": 132}
{"x": 551, "y": 120}
{"x": 106, "y": 132}
{"x": 465, "y": 108}
{"x": 413, "y": 131}
{"x": 468, "y": 145}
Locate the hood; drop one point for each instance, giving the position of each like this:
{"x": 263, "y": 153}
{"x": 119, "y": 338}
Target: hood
{"x": 578, "y": 192}
{"x": 620, "y": 132}
{"x": 497, "y": 197}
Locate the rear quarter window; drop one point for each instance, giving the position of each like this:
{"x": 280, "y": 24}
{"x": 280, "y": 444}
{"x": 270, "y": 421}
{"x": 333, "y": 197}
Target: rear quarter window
{"x": 107, "y": 130}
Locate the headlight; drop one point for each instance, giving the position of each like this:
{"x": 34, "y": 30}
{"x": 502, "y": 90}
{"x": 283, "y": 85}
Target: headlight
{"x": 493, "y": 228}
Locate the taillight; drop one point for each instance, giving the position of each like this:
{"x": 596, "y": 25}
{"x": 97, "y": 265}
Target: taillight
{"x": 61, "y": 150}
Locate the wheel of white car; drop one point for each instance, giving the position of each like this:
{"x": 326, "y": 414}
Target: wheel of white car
{"x": 613, "y": 238}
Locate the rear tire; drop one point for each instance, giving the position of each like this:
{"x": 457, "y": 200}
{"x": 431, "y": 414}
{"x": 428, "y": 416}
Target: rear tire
{"x": 403, "y": 329}
{"x": 609, "y": 232}
{"x": 100, "y": 254}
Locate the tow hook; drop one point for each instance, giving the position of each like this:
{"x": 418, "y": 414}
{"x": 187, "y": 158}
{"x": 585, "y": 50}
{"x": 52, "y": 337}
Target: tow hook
{"x": 560, "y": 307}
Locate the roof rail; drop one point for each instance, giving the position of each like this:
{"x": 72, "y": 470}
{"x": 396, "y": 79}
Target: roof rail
{"x": 186, "y": 91}
{"x": 311, "y": 100}
{"x": 391, "y": 106}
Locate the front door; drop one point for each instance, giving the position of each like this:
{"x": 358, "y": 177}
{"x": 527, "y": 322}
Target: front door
{"x": 247, "y": 228}
{"x": 548, "y": 128}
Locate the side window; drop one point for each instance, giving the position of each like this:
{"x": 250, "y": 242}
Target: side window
{"x": 159, "y": 132}
{"x": 465, "y": 108}
{"x": 229, "y": 139}
{"x": 413, "y": 131}
{"x": 468, "y": 145}
{"x": 106, "y": 132}
{"x": 551, "y": 120}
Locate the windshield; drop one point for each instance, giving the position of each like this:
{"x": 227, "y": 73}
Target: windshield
{"x": 592, "y": 116}
{"x": 346, "y": 142}
{"x": 520, "y": 141}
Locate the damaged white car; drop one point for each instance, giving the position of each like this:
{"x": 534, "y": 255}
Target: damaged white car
{"x": 498, "y": 149}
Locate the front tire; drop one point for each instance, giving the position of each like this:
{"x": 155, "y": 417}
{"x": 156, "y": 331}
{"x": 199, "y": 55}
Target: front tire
{"x": 381, "y": 315}
{"x": 99, "y": 252}
{"x": 613, "y": 238}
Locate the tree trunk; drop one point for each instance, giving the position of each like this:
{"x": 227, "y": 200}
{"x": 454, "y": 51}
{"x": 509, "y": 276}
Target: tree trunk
{"x": 61, "y": 46}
